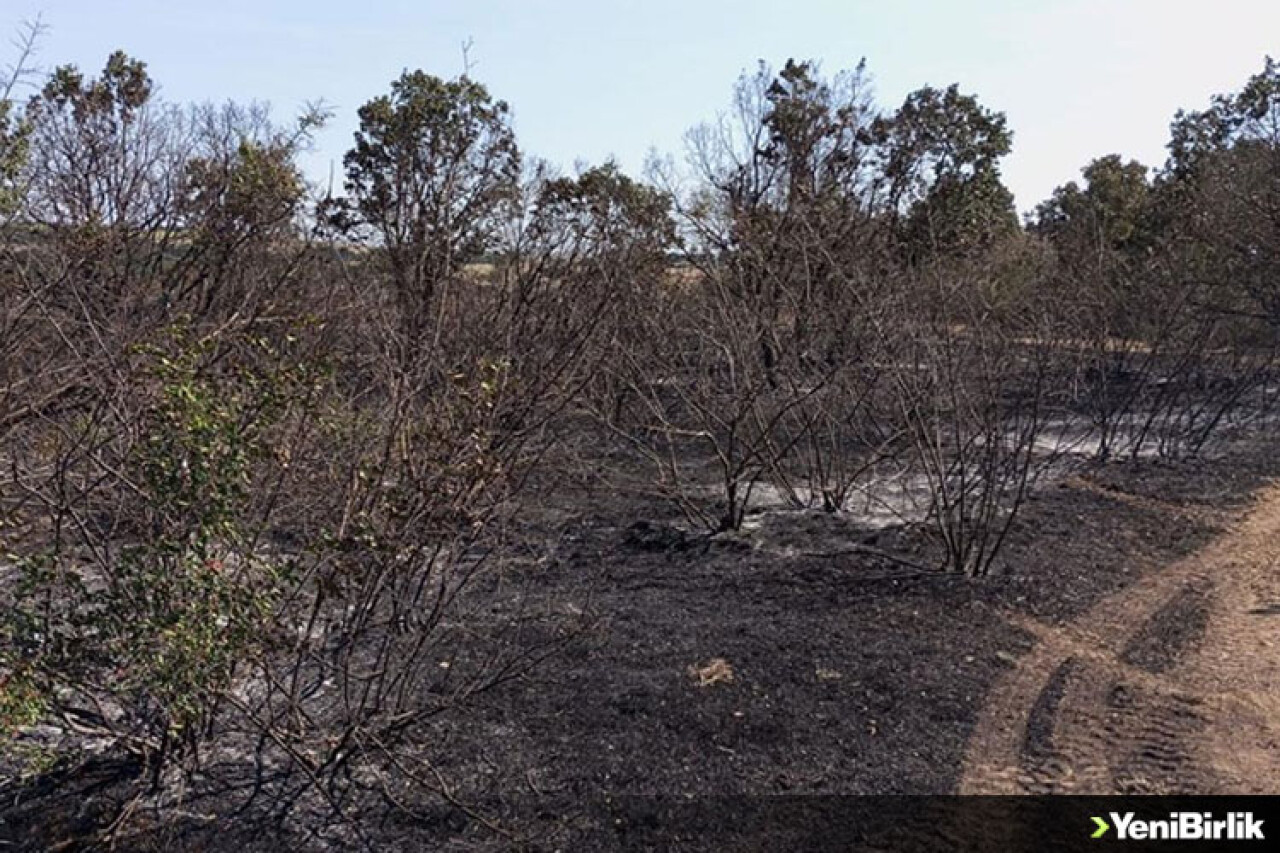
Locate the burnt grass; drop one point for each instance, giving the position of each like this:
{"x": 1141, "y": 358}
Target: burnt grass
{"x": 851, "y": 674}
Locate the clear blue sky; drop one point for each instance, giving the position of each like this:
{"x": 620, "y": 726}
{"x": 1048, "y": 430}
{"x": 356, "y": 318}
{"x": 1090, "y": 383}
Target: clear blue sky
{"x": 589, "y": 80}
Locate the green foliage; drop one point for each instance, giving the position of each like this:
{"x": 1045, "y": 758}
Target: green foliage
{"x": 15, "y": 130}
{"x": 157, "y": 630}
{"x": 116, "y": 96}
{"x": 611, "y": 210}
{"x": 794, "y": 187}
{"x": 961, "y": 217}
{"x": 256, "y": 190}
{"x": 939, "y": 136}
{"x": 176, "y": 621}
{"x": 1220, "y": 198}
{"x": 432, "y": 161}
{"x": 1112, "y": 208}
{"x": 941, "y": 153}
{"x": 22, "y": 702}
{"x": 198, "y": 444}
{"x": 14, "y": 147}
{"x": 102, "y": 131}
{"x": 816, "y": 142}
{"x": 818, "y": 130}
{"x": 1252, "y": 114}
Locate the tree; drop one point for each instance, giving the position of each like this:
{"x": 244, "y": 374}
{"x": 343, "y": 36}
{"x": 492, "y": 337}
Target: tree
{"x": 1112, "y": 208}
{"x": 782, "y": 238}
{"x": 1102, "y": 235}
{"x": 1222, "y": 184}
{"x": 604, "y": 238}
{"x": 96, "y": 151}
{"x": 240, "y": 203}
{"x": 14, "y": 130}
{"x": 624, "y": 220}
{"x": 960, "y": 216}
{"x": 244, "y": 187}
{"x": 15, "y": 134}
{"x": 433, "y": 163}
{"x": 941, "y": 153}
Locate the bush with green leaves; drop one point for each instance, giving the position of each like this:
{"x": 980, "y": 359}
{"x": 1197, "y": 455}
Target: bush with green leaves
{"x": 137, "y": 635}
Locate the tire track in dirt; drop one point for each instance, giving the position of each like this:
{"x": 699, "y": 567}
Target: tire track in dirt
{"x": 1171, "y": 685}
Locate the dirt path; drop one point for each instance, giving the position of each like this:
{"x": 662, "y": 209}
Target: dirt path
{"x": 1171, "y": 685}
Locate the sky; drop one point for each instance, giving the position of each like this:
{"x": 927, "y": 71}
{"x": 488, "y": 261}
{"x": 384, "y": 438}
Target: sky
{"x": 588, "y": 81}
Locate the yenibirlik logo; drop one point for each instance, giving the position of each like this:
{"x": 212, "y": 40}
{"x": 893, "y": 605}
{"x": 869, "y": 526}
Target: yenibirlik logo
{"x": 1183, "y": 826}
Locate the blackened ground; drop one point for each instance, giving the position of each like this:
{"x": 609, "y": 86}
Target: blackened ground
{"x": 850, "y": 674}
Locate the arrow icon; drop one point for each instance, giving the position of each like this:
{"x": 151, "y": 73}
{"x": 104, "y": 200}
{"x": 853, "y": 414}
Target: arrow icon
{"x": 1103, "y": 826}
